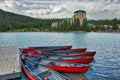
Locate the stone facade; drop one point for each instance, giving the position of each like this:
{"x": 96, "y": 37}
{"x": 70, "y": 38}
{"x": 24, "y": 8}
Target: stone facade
{"x": 54, "y": 25}
{"x": 81, "y": 15}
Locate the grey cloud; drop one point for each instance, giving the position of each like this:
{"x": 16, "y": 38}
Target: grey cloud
{"x": 96, "y": 9}
{"x": 61, "y": 10}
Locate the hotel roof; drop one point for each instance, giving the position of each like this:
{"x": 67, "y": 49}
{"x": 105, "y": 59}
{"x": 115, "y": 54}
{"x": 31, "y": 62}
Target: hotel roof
{"x": 79, "y": 11}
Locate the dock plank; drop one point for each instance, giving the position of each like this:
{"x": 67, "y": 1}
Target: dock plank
{"x": 9, "y": 62}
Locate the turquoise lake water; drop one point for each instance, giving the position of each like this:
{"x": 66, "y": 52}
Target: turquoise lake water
{"x": 107, "y": 45}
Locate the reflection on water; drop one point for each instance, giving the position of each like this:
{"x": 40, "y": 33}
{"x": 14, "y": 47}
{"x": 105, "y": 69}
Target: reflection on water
{"x": 107, "y": 45}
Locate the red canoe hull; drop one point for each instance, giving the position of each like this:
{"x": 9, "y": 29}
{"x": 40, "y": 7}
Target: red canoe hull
{"x": 81, "y": 61}
{"x": 27, "y": 50}
{"x": 65, "y": 48}
{"x": 54, "y": 48}
{"x": 28, "y": 74}
{"x": 46, "y": 53}
{"x": 85, "y": 54}
{"x": 81, "y": 70}
{"x": 34, "y": 49}
{"x": 90, "y": 54}
{"x": 77, "y": 50}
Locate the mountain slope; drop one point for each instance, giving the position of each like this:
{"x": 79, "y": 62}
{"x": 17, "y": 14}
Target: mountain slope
{"x": 14, "y": 22}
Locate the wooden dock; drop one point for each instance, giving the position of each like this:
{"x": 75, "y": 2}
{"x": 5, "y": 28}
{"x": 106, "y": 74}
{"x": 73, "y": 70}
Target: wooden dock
{"x": 9, "y": 63}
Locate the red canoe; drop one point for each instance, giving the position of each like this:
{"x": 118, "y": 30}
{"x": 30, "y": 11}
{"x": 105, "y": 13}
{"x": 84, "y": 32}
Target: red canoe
{"x": 70, "y": 50}
{"x": 38, "y": 72}
{"x": 77, "y": 54}
{"x": 68, "y": 53}
{"x": 31, "y": 77}
{"x": 62, "y": 66}
{"x": 81, "y": 70}
{"x": 55, "y": 51}
{"x": 27, "y": 50}
{"x": 52, "y": 47}
{"x": 84, "y": 60}
{"x": 58, "y": 53}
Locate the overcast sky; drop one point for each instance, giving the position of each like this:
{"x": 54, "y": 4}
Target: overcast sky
{"x": 96, "y": 9}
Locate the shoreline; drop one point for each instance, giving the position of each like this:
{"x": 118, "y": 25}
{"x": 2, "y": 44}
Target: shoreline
{"x": 115, "y": 32}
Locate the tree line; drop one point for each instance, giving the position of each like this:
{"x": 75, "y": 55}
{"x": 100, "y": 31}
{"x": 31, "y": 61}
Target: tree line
{"x": 106, "y": 24}
{"x": 96, "y": 25}
{"x": 14, "y": 22}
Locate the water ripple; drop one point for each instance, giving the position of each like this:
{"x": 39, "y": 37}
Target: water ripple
{"x": 107, "y": 59}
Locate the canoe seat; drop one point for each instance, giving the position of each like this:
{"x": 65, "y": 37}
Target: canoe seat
{"x": 39, "y": 59}
{"x": 51, "y": 63}
{"x": 44, "y": 74}
{"x": 73, "y": 65}
{"x": 46, "y": 56}
{"x": 33, "y": 65}
{"x": 60, "y": 58}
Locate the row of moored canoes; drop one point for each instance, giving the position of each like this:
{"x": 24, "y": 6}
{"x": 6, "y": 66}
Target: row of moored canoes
{"x": 41, "y": 63}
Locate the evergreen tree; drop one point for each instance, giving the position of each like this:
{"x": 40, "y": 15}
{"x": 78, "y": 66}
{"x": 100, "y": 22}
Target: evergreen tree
{"x": 114, "y": 24}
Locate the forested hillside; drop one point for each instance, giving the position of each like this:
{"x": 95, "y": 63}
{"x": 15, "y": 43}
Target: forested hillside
{"x": 14, "y": 22}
